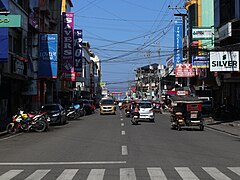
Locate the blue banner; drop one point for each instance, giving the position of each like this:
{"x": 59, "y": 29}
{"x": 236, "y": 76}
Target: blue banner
{"x": 4, "y": 45}
{"x": 200, "y": 61}
{"x": 4, "y": 5}
{"x": 178, "y": 40}
{"x": 78, "y": 50}
{"x": 47, "y": 66}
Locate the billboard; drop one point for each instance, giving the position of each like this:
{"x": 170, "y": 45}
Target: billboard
{"x": 184, "y": 70}
{"x": 77, "y": 50}
{"x": 48, "y": 46}
{"x": 33, "y": 13}
{"x": 224, "y": 61}
{"x": 200, "y": 61}
{"x": 178, "y": 40}
{"x": 68, "y": 46}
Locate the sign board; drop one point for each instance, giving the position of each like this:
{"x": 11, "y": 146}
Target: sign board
{"x": 201, "y": 33}
{"x": 48, "y": 50}
{"x": 200, "y": 61}
{"x": 78, "y": 50}
{"x": 225, "y": 31}
{"x": 184, "y": 70}
{"x": 68, "y": 46}
{"x": 178, "y": 40}
{"x": 102, "y": 84}
{"x": 10, "y": 21}
{"x": 224, "y": 61}
{"x": 30, "y": 88}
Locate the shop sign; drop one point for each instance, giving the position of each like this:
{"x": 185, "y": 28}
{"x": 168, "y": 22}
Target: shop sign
{"x": 224, "y": 61}
{"x": 78, "y": 50}
{"x": 19, "y": 67}
{"x": 200, "y": 61}
{"x": 68, "y": 46}
{"x": 31, "y": 88}
{"x": 10, "y": 21}
{"x": 202, "y": 33}
{"x": 184, "y": 70}
{"x": 182, "y": 93}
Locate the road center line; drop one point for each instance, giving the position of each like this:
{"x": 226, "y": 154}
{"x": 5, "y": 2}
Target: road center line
{"x": 124, "y": 150}
{"x": 122, "y": 124}
{"x": 60, "y": 163}
{"x": 123, "y": 133}
{"x": 121, "y": 119}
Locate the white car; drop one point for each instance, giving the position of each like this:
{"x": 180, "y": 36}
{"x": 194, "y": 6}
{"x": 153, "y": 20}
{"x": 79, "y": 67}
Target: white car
{"x": 146, "y": 110}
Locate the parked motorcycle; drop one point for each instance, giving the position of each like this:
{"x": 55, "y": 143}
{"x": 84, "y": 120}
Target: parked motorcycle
{"x": 25, "y": 122}
{"x": 74, "y": 112}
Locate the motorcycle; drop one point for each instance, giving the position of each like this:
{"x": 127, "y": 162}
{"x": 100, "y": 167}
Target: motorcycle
{"x": 135, "y": 119}
{"x": 74, "y": 111}
{"x": 26, "y": 121}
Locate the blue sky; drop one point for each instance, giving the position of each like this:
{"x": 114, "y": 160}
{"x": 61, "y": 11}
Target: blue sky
{"x": 123, "y": 32}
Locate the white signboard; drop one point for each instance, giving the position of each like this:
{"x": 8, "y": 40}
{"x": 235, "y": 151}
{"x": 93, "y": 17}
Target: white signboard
{"x": 224, "y": 61}
{"x": 201, "y": 33}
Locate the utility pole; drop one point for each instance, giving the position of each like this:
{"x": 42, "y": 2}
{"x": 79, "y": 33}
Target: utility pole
{"x": 159, "y": 77}
{"x": 149, "y": 74}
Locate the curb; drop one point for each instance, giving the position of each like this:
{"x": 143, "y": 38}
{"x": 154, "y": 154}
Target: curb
{"x": 3, "y": 133}
{"x": 220, "y": 130}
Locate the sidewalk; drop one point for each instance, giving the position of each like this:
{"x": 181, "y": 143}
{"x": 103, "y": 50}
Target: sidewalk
{"x": 229, "y": 127}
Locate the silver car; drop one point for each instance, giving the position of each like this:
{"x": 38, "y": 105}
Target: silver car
{"x": 146, "y": 110}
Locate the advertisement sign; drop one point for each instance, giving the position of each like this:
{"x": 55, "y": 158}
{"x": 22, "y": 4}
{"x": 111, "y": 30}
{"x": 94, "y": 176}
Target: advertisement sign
{"x": 68, "y": 46}
{"x": 10, "y": 21}
{"x": 201, "y": 33}
{"x": 184, "y": 70}
{"x": 224, "y": 61}
{"x": 178, "y": 41}
{"x": 48, "y": 46}
{"x": 200, "y": 61}
{"x": 4, "y": 45}
{"x": 78, "y": 50}
{"x": 170, "y": 67}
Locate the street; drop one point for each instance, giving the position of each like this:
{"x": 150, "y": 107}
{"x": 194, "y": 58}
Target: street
{"x": 109, "y": 147}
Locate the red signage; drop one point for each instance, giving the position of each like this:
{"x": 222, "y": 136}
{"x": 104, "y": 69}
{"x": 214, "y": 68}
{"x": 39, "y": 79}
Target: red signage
{"x": 116, "y": 92}
{"x": 184, "y": 70}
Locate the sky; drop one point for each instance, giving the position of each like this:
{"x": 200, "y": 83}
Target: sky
{"x": 127, "y": 35}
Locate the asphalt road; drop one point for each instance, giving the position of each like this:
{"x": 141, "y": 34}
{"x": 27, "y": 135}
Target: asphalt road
{"x": 109, "y": 147}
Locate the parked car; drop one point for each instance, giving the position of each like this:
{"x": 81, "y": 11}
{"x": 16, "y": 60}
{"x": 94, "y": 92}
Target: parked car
{"x": 87, "y": 106}
{"x": 56, "y": 113}
{"x": 146, "y": 110}
{"x": 107, "y": 106}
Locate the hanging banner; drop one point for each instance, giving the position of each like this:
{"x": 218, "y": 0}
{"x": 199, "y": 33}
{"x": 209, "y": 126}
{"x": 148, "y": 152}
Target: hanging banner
{"x": 47, "y": 65}
{"x": 184, "y": 70}
{"x": 4, "y": 45}
{"x": 224, "y": 61}
{"x": 78, "y": 50}
{"x": 68, "y": 46}
{"x": 178, "y": 40}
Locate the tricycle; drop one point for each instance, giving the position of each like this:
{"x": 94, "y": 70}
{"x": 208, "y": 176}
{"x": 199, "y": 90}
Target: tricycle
{"x": 186, "y": 112}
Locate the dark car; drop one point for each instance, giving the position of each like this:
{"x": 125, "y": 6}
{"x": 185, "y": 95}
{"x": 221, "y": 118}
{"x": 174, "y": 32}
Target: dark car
{"x": 56, "y": 113}
{"x": 87, "y": 106}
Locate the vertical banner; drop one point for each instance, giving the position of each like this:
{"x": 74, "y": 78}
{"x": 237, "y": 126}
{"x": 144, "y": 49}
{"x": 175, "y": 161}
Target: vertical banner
{"x": 178, "y": 40}
{"x": 68, "y": 46}
{"x": 78, "y": 50}
{"x": 47, "y": 65}
{"x": 4, "y": 6}
{"x": 33, "y": 13}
